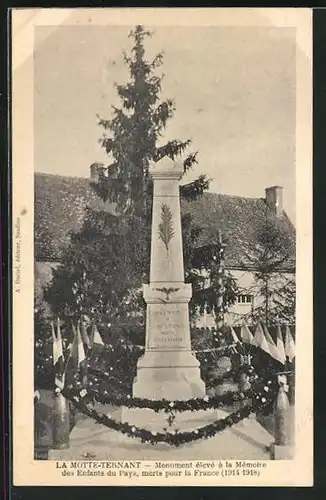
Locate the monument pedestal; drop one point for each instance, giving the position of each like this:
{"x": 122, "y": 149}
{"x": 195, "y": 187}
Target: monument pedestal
{"x": 168, "y": 369}
{"x": 171, "y": 375}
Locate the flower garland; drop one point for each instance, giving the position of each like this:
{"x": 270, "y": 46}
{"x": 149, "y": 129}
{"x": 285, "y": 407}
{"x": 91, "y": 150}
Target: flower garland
{"x": 174, "y": 437}
{"x": 95, "y": 392}
{"x": 195, "y": 404}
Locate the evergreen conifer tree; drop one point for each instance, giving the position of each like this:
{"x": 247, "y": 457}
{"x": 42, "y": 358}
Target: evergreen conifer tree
{"x": 272, "y": 253}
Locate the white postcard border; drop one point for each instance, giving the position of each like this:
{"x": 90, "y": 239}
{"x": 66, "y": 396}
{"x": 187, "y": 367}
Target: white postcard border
{"x": 27, "y": 471}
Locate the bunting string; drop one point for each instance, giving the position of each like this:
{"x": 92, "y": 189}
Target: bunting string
{"x": 197, "y": 351}
{"x": 83, "y": 345}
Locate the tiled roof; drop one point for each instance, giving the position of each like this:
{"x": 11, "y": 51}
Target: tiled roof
{"x": 238, "y": 219}
{"x": 60, "y": 204}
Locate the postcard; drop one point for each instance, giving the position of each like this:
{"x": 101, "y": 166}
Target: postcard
{"x": 162, "y": 247}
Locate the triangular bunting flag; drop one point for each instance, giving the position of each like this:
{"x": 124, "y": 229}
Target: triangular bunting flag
{"x": 246, "y": 335}
{"x": 260, "y": 339}
{"x": 58, "y": 360}
{"x": 235, "y": 338}
{"x": 74, "y": 347}
{"x": 91, "y": 337}
{"x": 280, "y": 343}
{"x": 54, "y": 345}
{"x": 289, "y": 344}
{"x": 78, "y": 354}
{"x": 84, "y": 335}
{"x": 80, "y": 346}
{"x": 96, "y": 337}
{"x": 78, "y": 351}
{"x": 274, "y": 352}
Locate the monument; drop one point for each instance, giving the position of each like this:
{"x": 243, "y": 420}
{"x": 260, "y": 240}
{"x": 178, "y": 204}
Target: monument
{"x": 168, "y": 369}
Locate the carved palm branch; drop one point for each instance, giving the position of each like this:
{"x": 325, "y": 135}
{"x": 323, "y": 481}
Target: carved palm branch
{"x": 165, "y": 227}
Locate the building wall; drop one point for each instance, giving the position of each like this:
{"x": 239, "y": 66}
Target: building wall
{"x": 248, "y": 290}
{"x": 249, "y": 297}
{"x": 246, "y": 285}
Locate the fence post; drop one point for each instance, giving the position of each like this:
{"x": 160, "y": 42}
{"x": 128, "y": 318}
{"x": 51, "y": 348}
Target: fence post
{"x": 61, "y": 422}
{"x": 281, "y": 448}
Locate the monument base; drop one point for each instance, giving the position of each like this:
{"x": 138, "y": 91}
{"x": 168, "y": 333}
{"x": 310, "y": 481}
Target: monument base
{"x": 171, "y": 375}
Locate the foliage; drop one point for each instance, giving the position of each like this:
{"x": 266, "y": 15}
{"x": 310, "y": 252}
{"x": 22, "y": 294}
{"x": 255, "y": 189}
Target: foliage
{"x": 205, "y": 271}
{"x": 284, "y": 299}
{"x": 43, "y": 349}
{"x": 99, "y": 276}
{"x": 131, "y": 137}
{"x": 271, "y": 253}
{"x": 273, "y": 247}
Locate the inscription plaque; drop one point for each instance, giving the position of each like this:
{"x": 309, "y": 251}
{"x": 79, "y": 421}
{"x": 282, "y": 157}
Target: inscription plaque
{"x": 167, "y": 324}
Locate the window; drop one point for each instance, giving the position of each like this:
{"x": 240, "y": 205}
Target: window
{"x": 244, "y": 299}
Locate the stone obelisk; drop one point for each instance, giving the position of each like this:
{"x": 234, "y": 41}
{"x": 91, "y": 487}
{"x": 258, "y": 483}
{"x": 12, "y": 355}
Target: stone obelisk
{"x": 168, "y": 369}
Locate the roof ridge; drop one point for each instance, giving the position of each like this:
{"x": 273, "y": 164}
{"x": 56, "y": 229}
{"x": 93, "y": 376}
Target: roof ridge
{"x": 62, "y": 176}
{"x": 234, "y": 195}
{"x": 214, "y": 193}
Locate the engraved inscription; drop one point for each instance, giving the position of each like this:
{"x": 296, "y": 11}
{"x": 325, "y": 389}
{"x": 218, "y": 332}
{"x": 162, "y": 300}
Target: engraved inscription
{"x": 167, "y": 326}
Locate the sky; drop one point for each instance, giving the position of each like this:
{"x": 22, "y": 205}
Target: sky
{"x": 234, "y": 89}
